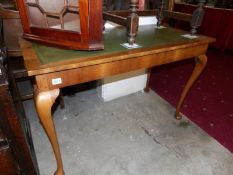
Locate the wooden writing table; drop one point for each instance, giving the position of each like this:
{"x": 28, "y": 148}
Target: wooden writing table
{"x": 55, "y": 68}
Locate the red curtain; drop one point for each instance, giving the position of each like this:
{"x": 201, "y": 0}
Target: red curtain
{"x": 217, "y": 23}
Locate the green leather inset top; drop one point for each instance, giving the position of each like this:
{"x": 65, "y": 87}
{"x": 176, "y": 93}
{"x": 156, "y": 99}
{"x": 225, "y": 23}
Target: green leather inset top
{"x": 147, "y": 36}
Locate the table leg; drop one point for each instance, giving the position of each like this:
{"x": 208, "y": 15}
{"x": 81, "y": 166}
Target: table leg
{"x": 199, "y": 67}
{"x": 44, "y": 102}
{"x": 147, "y": 89}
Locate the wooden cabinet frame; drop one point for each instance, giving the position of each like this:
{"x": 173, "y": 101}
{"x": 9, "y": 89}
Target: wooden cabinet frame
{"x": 88, "y": 38}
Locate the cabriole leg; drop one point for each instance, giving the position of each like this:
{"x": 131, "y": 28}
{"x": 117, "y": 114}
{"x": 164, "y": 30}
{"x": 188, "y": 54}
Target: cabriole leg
{"x": 44, "y": 102}
{"x": 199, "y": 67}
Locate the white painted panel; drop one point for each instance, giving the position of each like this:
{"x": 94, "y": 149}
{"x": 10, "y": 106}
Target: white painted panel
{"x": 122, "y": 85}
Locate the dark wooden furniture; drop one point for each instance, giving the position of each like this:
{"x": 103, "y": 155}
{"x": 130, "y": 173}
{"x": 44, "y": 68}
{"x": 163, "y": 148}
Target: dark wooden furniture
{"x": 72, "y": 24}
{"x": 7, "y": 164}
{"x": 54, "y": 68}
{"x": 111, "y": 5}
{"x": 12, "y": 31}
{"x": 130, "y": 18}
{"x": 17, "y": 154}
{"x": 227, "y": 4}
{"x": 165, "y": 14}
{"x": 221, "y": 17}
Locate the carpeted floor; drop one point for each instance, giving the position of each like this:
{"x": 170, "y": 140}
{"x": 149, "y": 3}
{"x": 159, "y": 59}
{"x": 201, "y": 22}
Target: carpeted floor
{"x": 210, "y": 102}
{"x": 132, "y": 135}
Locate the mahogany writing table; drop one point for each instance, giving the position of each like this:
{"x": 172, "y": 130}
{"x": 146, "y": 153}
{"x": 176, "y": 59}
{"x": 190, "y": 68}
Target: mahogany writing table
{"x": 55, "y": 68}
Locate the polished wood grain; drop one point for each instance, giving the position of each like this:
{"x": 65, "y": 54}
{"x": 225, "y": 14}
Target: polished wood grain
{"x": 44, "y": 102}
{"x": 94, "y": 67}
{"x": 130, "y": 18}
{"x": 9, "y": 14}
{"x": 97, "y": 71}
{"x": 170, "y": 5}
{"x": 132, "y": 22}
{"x": 88, "y": 38}
{"x": 7, "y": 164}
{"x": 120, "y": 16}
{"x": 201, "y": 62}
{"x": 12, "y": 30}
{"x": 180, "y": 51}
{"x": 17, "y": 154}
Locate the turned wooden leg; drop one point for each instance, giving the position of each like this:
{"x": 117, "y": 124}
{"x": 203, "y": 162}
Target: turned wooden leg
{"x": 199, "y": 67}
{"x": 44, "y": 102}
{"x": 147, "y": 89}
{"x": 132, "y": 22}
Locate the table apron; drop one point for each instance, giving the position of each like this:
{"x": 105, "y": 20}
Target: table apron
{"x": 74, "y": 76}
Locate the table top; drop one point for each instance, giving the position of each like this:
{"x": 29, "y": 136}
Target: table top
{"x": 40, "y": 59}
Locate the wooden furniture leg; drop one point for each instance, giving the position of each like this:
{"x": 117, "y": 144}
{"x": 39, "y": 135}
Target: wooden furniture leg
{"x": 170, "y": 5}
{"x": 147, "y": 89}
{"x": 61, "y": 100}
{"x": 199, "y": 67}
{"x": 44, "y": 102}
{"x": 132, "y": 22}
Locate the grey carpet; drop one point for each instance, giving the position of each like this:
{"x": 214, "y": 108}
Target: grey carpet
{"x": 133, "y": 135}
